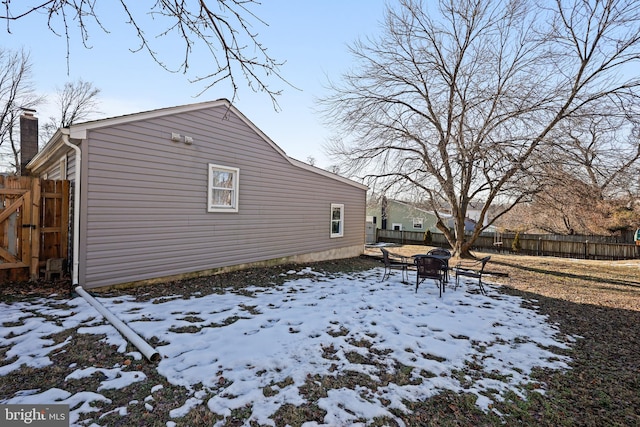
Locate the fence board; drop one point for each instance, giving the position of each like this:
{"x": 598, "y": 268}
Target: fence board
{"x": 34, "y": 225}
{"x": 54, "y": 219}
{"x": 542, "y": 245}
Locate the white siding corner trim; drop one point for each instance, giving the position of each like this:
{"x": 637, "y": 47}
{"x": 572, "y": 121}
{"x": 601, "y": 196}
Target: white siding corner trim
{"x": 223, "y": 188}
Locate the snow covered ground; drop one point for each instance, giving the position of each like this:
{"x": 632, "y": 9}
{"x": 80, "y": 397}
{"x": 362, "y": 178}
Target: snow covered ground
{"x": 280, "y": 334}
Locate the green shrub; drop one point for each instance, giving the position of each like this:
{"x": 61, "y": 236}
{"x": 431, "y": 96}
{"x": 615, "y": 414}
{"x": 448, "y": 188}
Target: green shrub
{"x": 516, "y": 246}
{"x": 427, "y": 239}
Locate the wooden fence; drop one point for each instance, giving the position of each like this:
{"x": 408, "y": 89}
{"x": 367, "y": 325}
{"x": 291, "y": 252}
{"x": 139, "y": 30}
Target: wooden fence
{"x": 540, "y": 245}
{"x": 34, "y": 225}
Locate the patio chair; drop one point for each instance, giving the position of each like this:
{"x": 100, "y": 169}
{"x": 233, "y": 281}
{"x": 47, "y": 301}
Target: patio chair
{"x": 473, "y": 269}
{"x": 445, "y": 255}
{"x": 430, "y": 268}
{"x": 394, "y": 262}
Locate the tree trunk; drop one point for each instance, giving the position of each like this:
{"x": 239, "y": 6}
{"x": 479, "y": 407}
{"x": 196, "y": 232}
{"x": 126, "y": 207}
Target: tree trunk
{"x": 460, "y": 246}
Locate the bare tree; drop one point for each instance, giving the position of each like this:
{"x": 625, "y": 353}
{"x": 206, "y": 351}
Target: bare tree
{"x": 566, "y": 205}
{"x": 224, "y": 28}
{"x": 461, "y": 102}
{"x": 76, "y": 101}
{"x": 16, "y": 93}
{"x": 589, "y": 189}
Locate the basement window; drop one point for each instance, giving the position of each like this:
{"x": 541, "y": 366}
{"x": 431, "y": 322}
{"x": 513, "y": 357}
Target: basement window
{"x": 223, "y": 188}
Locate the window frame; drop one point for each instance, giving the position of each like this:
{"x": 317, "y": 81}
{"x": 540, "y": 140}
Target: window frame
{"x": 340, "y": 221}
{"x": 234, "y": 189}
{"x": 418, "y": 223}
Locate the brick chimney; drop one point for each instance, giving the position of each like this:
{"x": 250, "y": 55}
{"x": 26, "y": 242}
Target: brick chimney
{"x": 28, "y": 138}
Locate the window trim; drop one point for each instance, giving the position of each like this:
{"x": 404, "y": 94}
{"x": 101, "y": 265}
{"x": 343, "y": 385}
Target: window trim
{"x": 340, "y": 221}
{"x": 419, "y": 222}
{"x": 235, "y": 189}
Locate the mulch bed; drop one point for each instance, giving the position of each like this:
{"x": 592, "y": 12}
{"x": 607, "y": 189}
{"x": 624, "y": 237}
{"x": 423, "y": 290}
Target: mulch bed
{"x": 11, "y": 291}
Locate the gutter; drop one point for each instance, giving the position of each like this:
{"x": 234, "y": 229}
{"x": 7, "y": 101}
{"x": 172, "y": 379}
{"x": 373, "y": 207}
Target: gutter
{"x": 149, "y": 352}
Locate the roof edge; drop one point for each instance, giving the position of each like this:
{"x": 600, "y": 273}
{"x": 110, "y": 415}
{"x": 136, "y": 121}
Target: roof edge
{"x": 326, "y": 173}
{"x": 51, "y": 147}
{"x": 78, "y": 132}
{"x": 291, "y": 160}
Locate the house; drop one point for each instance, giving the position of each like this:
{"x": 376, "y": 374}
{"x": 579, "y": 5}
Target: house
{"x": 391, "y": 214}
{"x": 475, "y": 209}
{"x": 194, "y": 190}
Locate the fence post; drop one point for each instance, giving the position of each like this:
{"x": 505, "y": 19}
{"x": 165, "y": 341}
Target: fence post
{"x": 540, "y": 252}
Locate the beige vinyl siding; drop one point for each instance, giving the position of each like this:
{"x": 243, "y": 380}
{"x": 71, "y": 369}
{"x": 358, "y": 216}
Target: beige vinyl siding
{"x": 52, "y": 170}
{"x": 146, "y": 207}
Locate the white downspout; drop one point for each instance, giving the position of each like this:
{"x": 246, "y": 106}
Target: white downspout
{"x": 135, "y": 339}
{"x": 76, "y": 210}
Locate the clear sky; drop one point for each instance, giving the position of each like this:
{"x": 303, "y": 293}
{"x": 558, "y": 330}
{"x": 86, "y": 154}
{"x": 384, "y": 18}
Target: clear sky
{"x": 311, "y": 36}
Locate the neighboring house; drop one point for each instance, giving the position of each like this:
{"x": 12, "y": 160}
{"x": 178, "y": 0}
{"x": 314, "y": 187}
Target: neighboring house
{"x": 194, "y": 190}
{"x": 401, "y": 216}
{"x": 406, "y": 217}
{"x": 475, "y": 209}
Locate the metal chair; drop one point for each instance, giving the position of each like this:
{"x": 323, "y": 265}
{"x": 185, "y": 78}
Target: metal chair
{"x": 445, "y": 255}
{"x": 430, "y": 268}
{"x": 473, "y": 269}
{"x": 391, "y": 263}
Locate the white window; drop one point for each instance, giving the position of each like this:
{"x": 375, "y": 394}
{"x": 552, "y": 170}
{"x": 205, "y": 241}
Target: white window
{"x": 396, "y": 226}
{"x": 223, "y": 188}
{"x": 337, "y": 220}
{"x": 418, "y": 223}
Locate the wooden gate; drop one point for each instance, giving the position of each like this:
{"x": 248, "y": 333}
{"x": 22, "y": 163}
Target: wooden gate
{"x": 34, "y": 222}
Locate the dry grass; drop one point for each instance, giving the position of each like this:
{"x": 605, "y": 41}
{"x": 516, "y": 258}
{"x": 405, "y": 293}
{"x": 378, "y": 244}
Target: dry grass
{"x": 614, "y": 284}
{"x": 598, "y": 301}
